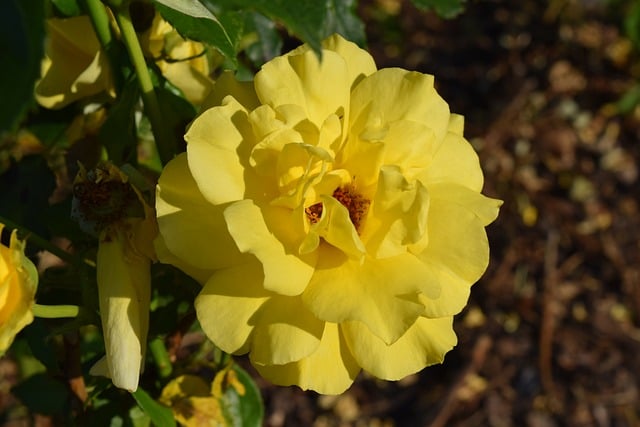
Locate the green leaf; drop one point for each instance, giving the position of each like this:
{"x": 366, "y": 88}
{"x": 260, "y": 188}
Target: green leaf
{"x": 342, "y": 19}
{"x": 43, "y": 394}
{"x": 118, "y": 133}
{"x": 444, "y": 8}
{"x": 196, "y": 22}
{"x": 304, "y": 18}
{"x": 67, "y": 7}
{"x": 21, "y": 49}
{"x": 268, "y": 42}
{"x": 160, "y": 415}
{"x": 243, "y": 410}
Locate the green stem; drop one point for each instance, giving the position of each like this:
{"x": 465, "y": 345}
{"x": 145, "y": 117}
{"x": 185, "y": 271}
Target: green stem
{"x": 55, "y": 311}
{"x": 162, "y": 137}
{"x": 100, "y": 21}
{"x": 102, "y": 26}
{"x": 161, "y": 357}
{"x": 40, "y": 242}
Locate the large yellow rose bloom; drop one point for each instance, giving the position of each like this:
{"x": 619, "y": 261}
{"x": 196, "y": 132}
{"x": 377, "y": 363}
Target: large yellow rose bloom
{"x": 18, "y": 283}
{"x": 333, "y": 213}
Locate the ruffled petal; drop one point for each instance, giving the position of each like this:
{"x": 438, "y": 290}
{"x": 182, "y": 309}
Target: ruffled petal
{"x": 455, "y": 162}
{"x": 331, "y": 369}
{"x": 217, "y": 142}
{"x": 424, "y": 344}
{"x": 227, "y": 84}
{"x": 268, "y": 234}
{"x": 166, "y": 257}
{"x": 322, "y": 88}
{"x": 398, "y": 215}
{"x": 455, "y": 258}
{"x": 380, "y": 293}
{"x": 285, "y": 332}
{"x": 359, "y": 62}
{"x": 485, "y": 208}
{"x": 187, "y": 220}
{"x": 227, "y": 304}
{"x": 393, "y": 94}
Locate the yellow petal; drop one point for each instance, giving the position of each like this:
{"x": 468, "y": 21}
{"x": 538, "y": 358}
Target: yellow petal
{"x": 331, "y": 369}
{"x": 75, "y": 67}
{"x": 268, "y": 234}
{"x": 166, "y": 257}
{"x": 359, "y": 62}
{"x": 218, "y": 140}
{"x": 124, "y": 293}
{"x": 18, "y": 284}
{"x": 374, "y": 292}
{"x": 455, "y": 162}
{"x": 322, "y": 88}
{"x": 227, "y": 84}
{"x": 485, "y": 208}
{"x": 285, "y": 332}
{"x": 227, "y": 304}
{"x": 187, "y": 220}
{"x": 393, "y": 94}
{"x": 424, "y": 344}
{"x": 193, "y": 84}
{"x": 398, "y": 215}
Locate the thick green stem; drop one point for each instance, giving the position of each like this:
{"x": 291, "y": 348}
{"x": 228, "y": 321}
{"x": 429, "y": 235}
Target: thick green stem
{"x": 160, "y": 357}
{"x": 55, "y": 311}
{"x": 162, "y": 137}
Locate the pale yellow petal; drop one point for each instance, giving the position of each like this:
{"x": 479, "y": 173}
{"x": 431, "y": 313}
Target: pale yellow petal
{"x": 485, "y": 208}
{"x": 285, "y": 332}
{"x": 167, "y": 257}
{"x": 398, "y": 215}
{"x": 359, "y": 62}
{"x": 322, "y": 88}
{"x": 331, "y": 369}
{"x": 455, "y": 162}
{"x": 193, "y": 84}
{"x": 218, "y": 146}
{"x": 227, "y": 84}
{"x": 393, "y": 94}
{"x": 380, "y": 293}
{"x": 187, "y": 220}
{"x": 227, "y": 304}
{"x": 267, "y": 233}
{"x": 425, "y": 343}
{"x": 124, "y": 292}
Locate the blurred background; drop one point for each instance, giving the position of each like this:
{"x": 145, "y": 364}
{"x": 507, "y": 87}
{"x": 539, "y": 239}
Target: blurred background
{"x": 549, "y": 91}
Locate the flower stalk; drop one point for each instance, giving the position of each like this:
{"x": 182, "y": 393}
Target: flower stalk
{"x": 149, "y": 98}
{"x": 55, "y": 311}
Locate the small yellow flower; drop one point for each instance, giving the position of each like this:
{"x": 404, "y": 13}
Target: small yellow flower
{"x": 333, "y": 213}
{"x": 18, "y": 283}
{"x": 183, "y": 62}
{"x": 74, "y": 66}
{"x": 108, "y": 203}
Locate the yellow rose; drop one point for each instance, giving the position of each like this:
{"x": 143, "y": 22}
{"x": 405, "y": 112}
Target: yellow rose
{"x": 333, "y": 213}
{"x": 74, "y": 66}
{"x": 183, "y": 62}
{"x": 18, "y": 283}
{"x": 104, "y": 199}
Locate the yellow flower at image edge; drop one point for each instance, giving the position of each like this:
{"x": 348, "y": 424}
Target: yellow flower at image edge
{"x": 333, "y": 214}
{"x": 18, "y": 283}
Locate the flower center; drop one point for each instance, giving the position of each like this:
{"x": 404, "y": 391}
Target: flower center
{"x": 356, "y": 204}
